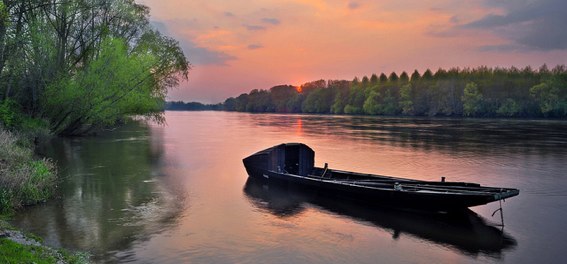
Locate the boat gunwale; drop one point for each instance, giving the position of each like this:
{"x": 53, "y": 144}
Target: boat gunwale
{"x": 445, "y": 190}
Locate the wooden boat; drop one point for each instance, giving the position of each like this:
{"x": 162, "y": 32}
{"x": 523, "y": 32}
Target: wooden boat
{"x": 294, "y": 163}
{"x": 463, "y": 231}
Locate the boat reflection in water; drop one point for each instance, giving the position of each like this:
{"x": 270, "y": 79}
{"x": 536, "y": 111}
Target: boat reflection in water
{"x": 466, "y": 232}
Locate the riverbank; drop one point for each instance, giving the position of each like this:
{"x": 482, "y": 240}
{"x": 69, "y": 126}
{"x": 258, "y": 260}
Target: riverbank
{"x": 19, "y": 247}
{"x": 26, "y": 180}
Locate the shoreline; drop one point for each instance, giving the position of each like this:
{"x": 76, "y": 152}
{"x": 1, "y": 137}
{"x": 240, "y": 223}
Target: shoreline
{"x": 17, "y": 246}
{"x": 437, "y": 117}
{"x": 26, "y": 179}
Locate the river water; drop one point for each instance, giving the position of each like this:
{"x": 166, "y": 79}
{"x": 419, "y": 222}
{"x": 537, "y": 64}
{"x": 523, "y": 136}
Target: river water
{"x": 179, "y": 193}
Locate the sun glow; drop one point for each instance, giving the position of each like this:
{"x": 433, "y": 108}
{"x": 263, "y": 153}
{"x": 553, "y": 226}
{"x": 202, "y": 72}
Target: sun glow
{"x": 299, "y": 89}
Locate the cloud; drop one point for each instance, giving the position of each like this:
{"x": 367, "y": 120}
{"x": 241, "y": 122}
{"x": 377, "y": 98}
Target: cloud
{"x": 197, "y": 55}
{"x": 535, "y": 25}
{"x": 273, "y": 21}
{"x": 503, "y": 48}
{"x": 441, "y": 31}
{"x": 203, "y": 56}
{"x": 160, "y": 26}
{"x": 254, "y": 27}
{"x": 254, "y": 46}
{"x": 353, "y": 5}
{"x": 228, "y": 14}
{"x": 454, "y": 20}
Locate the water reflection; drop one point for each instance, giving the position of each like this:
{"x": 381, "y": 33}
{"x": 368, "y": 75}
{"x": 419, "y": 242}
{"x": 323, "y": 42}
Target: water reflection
{"x": 467, "y": 233}
{"x": 174, "y": 194}
{"x": 112, "y": 194}
{"x": 439, "y": 134}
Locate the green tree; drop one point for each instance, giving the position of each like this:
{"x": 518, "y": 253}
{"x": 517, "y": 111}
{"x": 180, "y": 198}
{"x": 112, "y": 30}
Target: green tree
{"x": 383, "y": 78}
{"x": 374, "y": 79}
{"x": 472, "y": 100}
{"x": 281, "y": 95}
{"x": 340, "y": 95}
{"x": 404, "y": 77}
{"x": 319, "y": 101}
{"x": 406, "y": 99}
{"x": 355, "y": 100}
{"x": 115, "y": 85}
{"x": 259, "y": 101}
{"x": 551, "y": 94}
{"x": 393, "y": 77}
{"x": 355, "y": 81}
{"x": 390, "y": 103}
{"x": 509, "y": 108}
{"x": 415, "y": 76}
{"x": 427, "y": 75}
{"x": 365, "y": 81}
{"x": 51, "y": 51}
{"x": 372, "y": 104}
{"x": 229, "y": 104}
{"x": 294, "y": 104}
{"x": 241, "y": 102}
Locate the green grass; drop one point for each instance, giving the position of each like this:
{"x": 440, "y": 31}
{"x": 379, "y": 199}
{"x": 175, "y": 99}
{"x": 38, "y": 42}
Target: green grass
{"x": 12, "y": 252}
{"x": 24, "y": 180}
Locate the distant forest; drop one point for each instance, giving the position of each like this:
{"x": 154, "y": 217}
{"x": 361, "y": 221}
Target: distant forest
{"x": 192, "y": 106}
{"x": 478, "y": 92}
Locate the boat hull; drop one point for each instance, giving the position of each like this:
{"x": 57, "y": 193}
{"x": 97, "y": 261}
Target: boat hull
{"x": 376, "y": 196}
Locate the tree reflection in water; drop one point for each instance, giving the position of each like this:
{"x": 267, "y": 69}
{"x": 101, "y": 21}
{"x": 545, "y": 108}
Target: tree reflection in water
{"x": 112, "y": 195}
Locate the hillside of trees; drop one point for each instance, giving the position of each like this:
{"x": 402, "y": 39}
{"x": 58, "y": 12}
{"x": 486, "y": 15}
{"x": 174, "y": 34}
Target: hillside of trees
{"x": 83, "y": 65}
{"x": 478, "y": 92}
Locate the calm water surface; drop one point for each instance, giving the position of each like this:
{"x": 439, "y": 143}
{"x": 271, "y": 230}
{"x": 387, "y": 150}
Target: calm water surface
{"x": 180, "y": 194}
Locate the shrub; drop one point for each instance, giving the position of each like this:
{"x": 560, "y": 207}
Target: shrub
{"x": 9, "y": 113}
{"x": 23, "y": 179}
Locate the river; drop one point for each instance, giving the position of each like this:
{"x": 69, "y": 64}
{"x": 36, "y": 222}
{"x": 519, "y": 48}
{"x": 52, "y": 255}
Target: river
{"x": 179, "y": 193}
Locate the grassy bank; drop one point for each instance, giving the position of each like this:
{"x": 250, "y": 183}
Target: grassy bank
{"x": 17, "y": 247}
{"x": 24, "y": 180}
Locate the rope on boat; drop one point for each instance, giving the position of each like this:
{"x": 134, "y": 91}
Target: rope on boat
{"x": 501, "y": 211}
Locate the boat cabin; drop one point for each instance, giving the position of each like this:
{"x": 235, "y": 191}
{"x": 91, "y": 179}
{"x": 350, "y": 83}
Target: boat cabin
{"x": 292, "y": 158}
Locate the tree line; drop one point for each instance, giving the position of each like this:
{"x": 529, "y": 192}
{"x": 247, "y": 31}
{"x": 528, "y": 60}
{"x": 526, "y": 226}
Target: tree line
{"x": 476, "y": 92}
{"x": 192, "y": 106}
{"x": 84, "y": 65}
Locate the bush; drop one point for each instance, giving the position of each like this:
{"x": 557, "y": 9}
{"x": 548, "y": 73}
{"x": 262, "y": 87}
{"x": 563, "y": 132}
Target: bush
{"x": 13, "y": 118}
{"x": 9, "y": 113}
{"x": 23, "y": 180}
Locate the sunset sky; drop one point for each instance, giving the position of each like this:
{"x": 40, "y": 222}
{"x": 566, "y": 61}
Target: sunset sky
{"x": 237, "y": 46}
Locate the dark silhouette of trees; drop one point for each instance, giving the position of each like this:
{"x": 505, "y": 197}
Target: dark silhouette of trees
{"x": 415, "y": 76}
{"x": 281, "y": 95}
{"x": 192, "y": 106}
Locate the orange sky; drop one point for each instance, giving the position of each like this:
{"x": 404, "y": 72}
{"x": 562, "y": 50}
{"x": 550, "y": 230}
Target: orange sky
{"x": 237, "y": 46}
